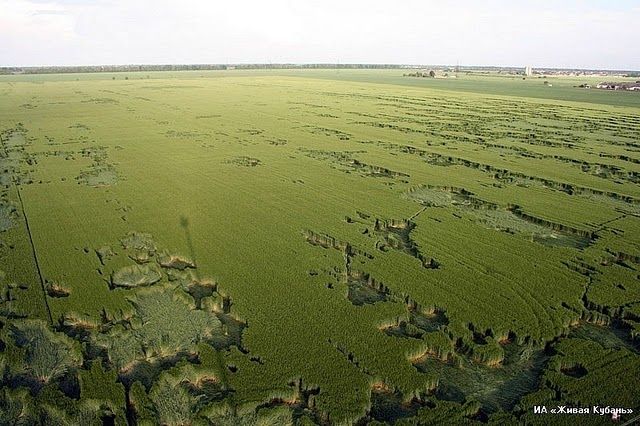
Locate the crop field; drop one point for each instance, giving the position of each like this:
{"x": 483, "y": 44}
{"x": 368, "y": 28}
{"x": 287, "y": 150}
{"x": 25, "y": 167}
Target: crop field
{"x": 316, "y": 247}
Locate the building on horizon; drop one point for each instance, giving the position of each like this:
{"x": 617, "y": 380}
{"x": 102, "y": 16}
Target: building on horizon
{"x": 528, "y": 71}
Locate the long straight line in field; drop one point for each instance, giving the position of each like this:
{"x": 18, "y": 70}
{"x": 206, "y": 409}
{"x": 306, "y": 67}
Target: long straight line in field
{"x": 33, "y": 248}
{"x": 35, "y": 256}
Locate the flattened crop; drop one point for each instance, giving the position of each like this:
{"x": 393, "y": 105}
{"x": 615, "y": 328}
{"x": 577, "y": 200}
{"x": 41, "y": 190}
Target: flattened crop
{"x": 165, "y": 322}
{"x": 136, "y": 276}
{"x": 8, "y": 215}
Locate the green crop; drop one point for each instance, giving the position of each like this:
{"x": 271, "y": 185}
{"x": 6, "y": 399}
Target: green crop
{"x": 312, "y": 246}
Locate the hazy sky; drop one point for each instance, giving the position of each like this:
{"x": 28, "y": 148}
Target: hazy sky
{"x": 571, "y": 33}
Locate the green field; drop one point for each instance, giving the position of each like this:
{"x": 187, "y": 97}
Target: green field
{"x": 316, "y": 247}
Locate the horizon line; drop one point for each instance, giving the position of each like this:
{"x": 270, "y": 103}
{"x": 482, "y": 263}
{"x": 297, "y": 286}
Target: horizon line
{"x": 336, "y": 65}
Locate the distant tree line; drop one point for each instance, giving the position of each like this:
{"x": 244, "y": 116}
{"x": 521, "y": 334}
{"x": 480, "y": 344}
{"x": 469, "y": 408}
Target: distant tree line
{"x": 205, "y": 67}
{"x": 192, "y": 67}
{"x": 430, "y": 73}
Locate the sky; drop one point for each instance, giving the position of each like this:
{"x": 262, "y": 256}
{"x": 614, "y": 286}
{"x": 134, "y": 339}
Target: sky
{"x": 565, "y": 34}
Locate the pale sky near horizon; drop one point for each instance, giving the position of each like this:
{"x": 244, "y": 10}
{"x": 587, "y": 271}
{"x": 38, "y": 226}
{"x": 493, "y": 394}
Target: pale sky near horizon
{"x": 568, "y": 34}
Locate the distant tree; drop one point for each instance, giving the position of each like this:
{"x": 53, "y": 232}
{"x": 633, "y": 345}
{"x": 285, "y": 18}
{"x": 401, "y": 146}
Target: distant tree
{"x": 113, "y": 78}
{"x": 126, "y": 77}
{"x": 432, "y": 73}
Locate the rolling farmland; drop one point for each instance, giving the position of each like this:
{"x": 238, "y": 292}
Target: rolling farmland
{"x": 315, "y": 247}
